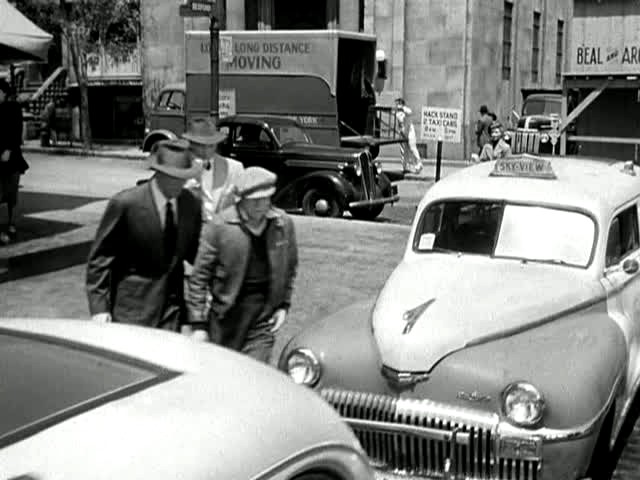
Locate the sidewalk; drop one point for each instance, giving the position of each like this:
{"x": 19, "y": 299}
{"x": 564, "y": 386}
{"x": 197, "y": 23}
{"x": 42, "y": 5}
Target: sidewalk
{"x": 127, "y": 152}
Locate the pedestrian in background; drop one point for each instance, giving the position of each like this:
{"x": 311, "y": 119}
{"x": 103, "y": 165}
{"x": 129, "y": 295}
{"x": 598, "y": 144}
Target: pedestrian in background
{"x": 247, "y": 261}
{"x": 135, "y": 269}
{"x": 482, "y": 128}
{"x": 497, "y": 147}
{"x": 411, "y": 161}
{"x": 12, "y": 163}
{"x": 220, "y": 174}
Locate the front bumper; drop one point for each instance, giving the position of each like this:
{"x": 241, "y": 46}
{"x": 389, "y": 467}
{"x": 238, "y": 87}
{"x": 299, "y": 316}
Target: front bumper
{"x": 377, "y": 201}
{"x": 410, "y": 438}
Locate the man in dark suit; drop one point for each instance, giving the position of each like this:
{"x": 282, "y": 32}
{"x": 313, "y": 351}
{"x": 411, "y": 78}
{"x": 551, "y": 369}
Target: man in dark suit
{"x": 135, "y": 272}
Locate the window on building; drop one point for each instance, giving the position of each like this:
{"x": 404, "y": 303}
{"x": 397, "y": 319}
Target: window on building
{"x": 535, "y": 48}
{"x": 559, "y": 50}
{"x": 361, "y": 7}
{"x": 288, "y": 14}
{"x": 506, "y": 40}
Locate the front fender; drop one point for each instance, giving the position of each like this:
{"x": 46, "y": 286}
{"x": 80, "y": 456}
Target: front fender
{"x": 344, "y": 345}
{"x": 156, "y": 135}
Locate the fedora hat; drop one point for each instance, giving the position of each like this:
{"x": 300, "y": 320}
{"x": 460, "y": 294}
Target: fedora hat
{"x": 173, "y": 158}
{"x": 203, "y": 131}
{"x": 255, "y": 182}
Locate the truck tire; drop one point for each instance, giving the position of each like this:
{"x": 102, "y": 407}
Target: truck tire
{"x": 321, "y": 203}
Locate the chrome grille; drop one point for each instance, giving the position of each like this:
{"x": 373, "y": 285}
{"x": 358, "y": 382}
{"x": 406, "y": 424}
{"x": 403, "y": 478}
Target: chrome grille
{"x": 526, "y": 140}
{"x": 425, "y": 439}
{"x": 368, "y": 176}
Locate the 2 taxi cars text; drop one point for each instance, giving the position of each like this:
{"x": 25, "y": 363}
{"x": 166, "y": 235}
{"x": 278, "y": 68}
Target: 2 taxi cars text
{"x": 505, "y": 344}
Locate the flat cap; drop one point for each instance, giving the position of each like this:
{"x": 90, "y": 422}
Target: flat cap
{"x": 256, "y": 182}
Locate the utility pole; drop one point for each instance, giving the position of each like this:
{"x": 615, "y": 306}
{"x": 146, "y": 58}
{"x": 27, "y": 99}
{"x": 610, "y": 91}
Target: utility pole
{"x": 216, "y": 11}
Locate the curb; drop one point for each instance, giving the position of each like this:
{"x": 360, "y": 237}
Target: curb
{"x": 84, "y": 153}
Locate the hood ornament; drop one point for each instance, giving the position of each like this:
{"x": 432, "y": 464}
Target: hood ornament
{"x": 413, "y": 315}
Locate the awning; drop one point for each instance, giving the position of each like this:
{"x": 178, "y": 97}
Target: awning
{"x": 20, "y": 39}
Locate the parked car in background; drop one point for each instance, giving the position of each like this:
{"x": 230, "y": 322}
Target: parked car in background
{"x": 314, "y": 179}
{"x": 505, "y": 345}
{"x": 540, "y": 112}
{"x": 110, "y": 401}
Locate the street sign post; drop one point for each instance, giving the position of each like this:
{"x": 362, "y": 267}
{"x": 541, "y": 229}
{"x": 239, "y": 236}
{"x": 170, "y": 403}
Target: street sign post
{"x": 214, "y": 10}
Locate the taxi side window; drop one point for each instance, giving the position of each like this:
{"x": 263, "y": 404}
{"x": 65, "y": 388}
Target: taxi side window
{"x": 252, "y": 136}
{"x": 623, "y": 236}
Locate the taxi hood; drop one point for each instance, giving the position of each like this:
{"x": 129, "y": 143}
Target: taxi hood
{"x": 434, "y": 306}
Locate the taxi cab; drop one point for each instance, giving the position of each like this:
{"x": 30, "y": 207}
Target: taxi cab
{"x": 506, "y": 343}
{"x": 85, "y": 400}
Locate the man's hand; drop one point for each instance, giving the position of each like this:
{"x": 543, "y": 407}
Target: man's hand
{"x": 102, "y": 317}
{"x": 6, "y": 155}
{"x": 197, "y": 335}
{"x": 277, "y": 319}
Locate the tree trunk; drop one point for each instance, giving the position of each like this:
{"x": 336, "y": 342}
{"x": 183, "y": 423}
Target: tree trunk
{"x": 80, "y": 69}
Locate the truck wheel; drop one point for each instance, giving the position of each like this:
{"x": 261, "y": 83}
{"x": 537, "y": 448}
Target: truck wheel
{"x": 321, "y": 203}
{"x": 367, "y": 213}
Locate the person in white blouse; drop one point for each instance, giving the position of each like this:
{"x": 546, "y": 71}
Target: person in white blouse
{"x": 220, "y": 173}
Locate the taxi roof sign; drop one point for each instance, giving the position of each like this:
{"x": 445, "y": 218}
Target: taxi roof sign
{"x": 527, "y": 166}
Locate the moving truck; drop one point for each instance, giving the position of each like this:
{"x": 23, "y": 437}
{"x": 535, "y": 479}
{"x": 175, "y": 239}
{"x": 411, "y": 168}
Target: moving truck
{"x": 321, "y": 78}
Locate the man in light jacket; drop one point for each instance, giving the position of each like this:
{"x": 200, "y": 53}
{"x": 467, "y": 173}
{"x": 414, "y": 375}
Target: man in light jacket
{"x": 247, "y": 261}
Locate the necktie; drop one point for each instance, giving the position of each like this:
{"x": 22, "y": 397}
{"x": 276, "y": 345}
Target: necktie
{"x": 170, "y": 233}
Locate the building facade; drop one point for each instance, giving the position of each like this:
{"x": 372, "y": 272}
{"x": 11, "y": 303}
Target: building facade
{"x": 603, "y": 74}
{"x": 456, "y": 54}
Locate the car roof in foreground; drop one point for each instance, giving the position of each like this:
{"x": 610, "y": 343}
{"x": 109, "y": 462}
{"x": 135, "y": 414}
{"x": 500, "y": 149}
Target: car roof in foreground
{"x": 595, "y": 185}
{"x": 225, "y": 401}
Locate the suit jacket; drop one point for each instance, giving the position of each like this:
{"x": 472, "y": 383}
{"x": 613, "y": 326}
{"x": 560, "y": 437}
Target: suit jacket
{"x": 127, "y": 274}
{"x": 221, "y": 265}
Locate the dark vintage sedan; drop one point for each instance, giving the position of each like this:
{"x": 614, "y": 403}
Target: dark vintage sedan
{"x": 314, "y": 179}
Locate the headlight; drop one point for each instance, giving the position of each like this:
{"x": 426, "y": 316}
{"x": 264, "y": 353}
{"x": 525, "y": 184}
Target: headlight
{"x": 523, "y": 404}
{"x": 303, "y": 367}
{"x": 544, "y": 138}
{"x": 378, "y": 167}
{"x": 358, "y": 168}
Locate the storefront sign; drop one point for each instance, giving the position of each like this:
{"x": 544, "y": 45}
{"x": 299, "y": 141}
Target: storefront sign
{"x": 441, "y": 123}
{"x": 605, "y": 45}
{"x": 226, "y": 102}
{"x": 272, "y": 54}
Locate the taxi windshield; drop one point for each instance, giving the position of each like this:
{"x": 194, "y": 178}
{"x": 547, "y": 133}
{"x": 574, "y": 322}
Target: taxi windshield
{"x": 499, "y": 229}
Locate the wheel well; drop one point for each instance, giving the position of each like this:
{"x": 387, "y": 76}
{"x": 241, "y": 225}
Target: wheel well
{"x": 148, "y": 143}
{"x": 320, "y": 183}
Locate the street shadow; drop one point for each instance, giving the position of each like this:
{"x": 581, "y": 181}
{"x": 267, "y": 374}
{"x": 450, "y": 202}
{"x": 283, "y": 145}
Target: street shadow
{"x": 44, "y": 261}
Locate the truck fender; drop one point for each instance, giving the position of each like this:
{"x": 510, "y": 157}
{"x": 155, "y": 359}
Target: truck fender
{"x": 155, "y": 136}
{"x": 324, "y": 179}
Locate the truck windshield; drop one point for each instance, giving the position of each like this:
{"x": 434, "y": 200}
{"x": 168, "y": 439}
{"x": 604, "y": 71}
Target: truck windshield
{"x": 289, "y": 134}
{"x": 523, "y": 232}
{"x": 541, "y": 106}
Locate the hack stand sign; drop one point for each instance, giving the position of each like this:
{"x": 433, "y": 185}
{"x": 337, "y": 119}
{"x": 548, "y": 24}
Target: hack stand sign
{"x": 442, "y": 125}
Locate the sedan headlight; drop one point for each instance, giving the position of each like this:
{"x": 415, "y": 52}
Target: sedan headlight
{"x": 303, "y": 367}
{"x": 523, "y": 404}
{"x": 544, "y": 138}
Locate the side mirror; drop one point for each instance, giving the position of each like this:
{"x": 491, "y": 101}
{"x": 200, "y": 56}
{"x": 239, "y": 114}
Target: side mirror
{"x": 630, "y": 266}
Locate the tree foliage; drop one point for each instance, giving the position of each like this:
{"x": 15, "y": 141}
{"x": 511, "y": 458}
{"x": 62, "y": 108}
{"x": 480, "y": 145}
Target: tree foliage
{"x": 86, "y": 27}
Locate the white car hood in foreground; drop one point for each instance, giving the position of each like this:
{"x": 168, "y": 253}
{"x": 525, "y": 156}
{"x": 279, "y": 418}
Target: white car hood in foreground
{"x": 472, "y": 297}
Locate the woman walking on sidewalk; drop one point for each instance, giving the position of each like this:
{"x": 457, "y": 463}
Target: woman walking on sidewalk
{"x": 411, "y": 161}
{"x": 12, "y": 163}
